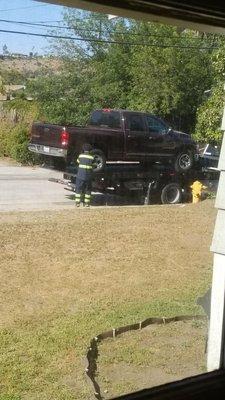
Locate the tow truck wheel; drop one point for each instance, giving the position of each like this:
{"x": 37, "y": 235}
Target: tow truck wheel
{"x": 99, "y": 159}
{"x": 184, "y": 161}
{"x": 171, "y": 194}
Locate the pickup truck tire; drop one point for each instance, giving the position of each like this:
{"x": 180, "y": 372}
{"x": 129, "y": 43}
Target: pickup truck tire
{"x": 184, "y": 161}
{"x": 171, "y": 194}
{"x": 99, "y": 159}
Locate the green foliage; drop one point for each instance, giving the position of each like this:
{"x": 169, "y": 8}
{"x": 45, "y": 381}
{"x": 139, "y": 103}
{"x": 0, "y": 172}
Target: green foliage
{"x": 110, "y": 86}
{"x": 11, "y": 76}
{"x": 26, "y": 110}
{"x": 209, "y": 117}
{"x": 169, "y": 80}
{"x": 18, "y": 141}
{"x": 167, "y": 76}
{"x": 96, "y": 77}
{"x": 209, "y": 114}
{"x": 85, "y": 25}
{"x": 64, "y": 98}
{"x": 14, "y": 141}
{"x": 14, "y": 137}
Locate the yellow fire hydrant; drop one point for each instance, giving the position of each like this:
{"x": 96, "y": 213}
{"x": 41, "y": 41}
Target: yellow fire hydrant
{"x": 197, "y": 188}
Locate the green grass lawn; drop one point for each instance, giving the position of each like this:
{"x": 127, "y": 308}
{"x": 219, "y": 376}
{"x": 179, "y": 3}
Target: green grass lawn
{"x": 45, "y": 359}
{"x": 59, "y": 290}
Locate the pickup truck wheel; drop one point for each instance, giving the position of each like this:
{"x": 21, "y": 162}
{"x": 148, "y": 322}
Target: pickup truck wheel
{"x": 171, "y": 194}
{"x": 99, "y": 159}
{"x": 184, "y": 161}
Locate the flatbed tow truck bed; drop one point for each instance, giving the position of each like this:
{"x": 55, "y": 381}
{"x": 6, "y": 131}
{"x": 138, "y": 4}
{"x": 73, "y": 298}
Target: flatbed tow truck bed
{"x": 154, "y": 183}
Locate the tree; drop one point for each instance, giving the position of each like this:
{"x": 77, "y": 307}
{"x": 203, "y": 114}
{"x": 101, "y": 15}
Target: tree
{"x": 63, "y": 98}
{"x": 127, "y": 64}
{"x": 5, "y": 50}
{"x": 110, "y": 86}
{"x": 209, "y": 115}
{"x": 94, "y": 75}
{"x": 170, "y": 81}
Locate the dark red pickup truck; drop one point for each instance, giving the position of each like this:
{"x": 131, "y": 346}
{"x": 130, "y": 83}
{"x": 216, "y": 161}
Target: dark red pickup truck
{"x": 117, "y": 135}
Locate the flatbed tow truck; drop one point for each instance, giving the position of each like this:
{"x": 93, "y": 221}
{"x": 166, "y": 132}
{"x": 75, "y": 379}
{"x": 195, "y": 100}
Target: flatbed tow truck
{"x": 150, "y": 184}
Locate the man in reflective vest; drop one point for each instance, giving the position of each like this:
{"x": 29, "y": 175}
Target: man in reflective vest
{"x": 84, "y": 176}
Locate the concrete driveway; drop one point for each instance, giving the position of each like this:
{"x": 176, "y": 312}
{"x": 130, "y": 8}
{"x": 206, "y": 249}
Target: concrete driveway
{"x": 28, "y": 188}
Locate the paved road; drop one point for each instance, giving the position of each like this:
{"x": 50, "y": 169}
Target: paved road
{"x": 28, "y": 188}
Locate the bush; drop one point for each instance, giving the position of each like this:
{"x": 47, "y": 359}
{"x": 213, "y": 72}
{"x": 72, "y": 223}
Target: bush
{"x": 14, "y": 143}
{"x": 14, "y": 138}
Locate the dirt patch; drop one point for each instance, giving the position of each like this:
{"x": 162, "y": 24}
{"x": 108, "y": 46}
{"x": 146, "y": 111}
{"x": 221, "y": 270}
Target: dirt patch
{"x": 154, "y": 356}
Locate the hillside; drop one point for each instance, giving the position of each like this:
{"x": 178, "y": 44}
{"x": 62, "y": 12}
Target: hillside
{"x": 31, "y": 65}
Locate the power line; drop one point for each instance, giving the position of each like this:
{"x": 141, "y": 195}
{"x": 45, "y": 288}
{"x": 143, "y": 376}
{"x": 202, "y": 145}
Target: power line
{"x": 34, "y": 24}
{"x": 95, "y": 30}
{"x": 95, "y": 40}
{"x": 52, "y": 21}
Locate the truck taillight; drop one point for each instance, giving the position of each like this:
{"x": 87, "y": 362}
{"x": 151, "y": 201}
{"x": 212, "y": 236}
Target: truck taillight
{"x": 64, "y": 138}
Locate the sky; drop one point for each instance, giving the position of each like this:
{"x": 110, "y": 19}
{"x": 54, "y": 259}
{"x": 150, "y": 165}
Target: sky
{"x": 28, "y": 11}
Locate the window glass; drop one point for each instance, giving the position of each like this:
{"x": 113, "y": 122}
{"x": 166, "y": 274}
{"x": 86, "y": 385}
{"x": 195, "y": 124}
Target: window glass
{"x": 109, "y": 119}
{"x": 110, "y": 269}
{"x": 135, "y": 122}
{"x": 154, "y": 125}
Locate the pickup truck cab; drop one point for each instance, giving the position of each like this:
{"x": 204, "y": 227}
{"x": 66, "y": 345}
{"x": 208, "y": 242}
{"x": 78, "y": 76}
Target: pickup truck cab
{"x": 117, "y": 135}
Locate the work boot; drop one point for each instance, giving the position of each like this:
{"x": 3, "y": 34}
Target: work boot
{"x": 87, "y": 205}
{"x": 77, "y": 204}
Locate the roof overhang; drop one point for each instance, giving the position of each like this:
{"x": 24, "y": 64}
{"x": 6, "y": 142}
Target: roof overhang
{"x": 194, "y": 14}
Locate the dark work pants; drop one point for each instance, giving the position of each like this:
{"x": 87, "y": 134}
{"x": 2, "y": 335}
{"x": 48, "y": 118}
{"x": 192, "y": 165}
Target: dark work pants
{"x": 83, "y": 191}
